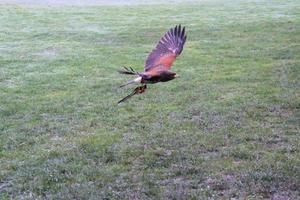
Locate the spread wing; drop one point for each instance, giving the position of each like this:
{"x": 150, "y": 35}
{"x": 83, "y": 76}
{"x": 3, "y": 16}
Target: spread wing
{"x": 167, "y": 49}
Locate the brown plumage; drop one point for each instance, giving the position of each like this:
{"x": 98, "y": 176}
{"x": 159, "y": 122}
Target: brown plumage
{"x": 158, "y": 63}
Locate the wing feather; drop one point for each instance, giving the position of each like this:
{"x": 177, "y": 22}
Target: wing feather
{"x": 167, "y": 49}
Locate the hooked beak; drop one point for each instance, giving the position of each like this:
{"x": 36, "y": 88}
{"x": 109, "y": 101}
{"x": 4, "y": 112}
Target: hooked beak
{"x": 176, "y": 76}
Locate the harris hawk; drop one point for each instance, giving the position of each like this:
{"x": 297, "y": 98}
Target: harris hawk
{"x": 159, "y": 62}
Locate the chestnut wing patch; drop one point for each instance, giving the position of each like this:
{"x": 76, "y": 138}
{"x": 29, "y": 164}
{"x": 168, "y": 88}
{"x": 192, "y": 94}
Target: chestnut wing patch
{"x": 167, "y": 49}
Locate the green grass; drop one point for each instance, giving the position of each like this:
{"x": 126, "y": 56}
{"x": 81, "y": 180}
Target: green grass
{"x": 227, "y": 128}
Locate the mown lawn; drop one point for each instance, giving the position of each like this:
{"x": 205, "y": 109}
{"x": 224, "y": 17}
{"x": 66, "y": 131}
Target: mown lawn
{"x": 229, "y": 127}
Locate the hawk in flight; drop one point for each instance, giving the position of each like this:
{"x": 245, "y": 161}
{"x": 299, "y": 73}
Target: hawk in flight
{"x": 159, "y": 62}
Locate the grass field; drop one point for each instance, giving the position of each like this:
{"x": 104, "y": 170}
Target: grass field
{"x": 229, "y": 127}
